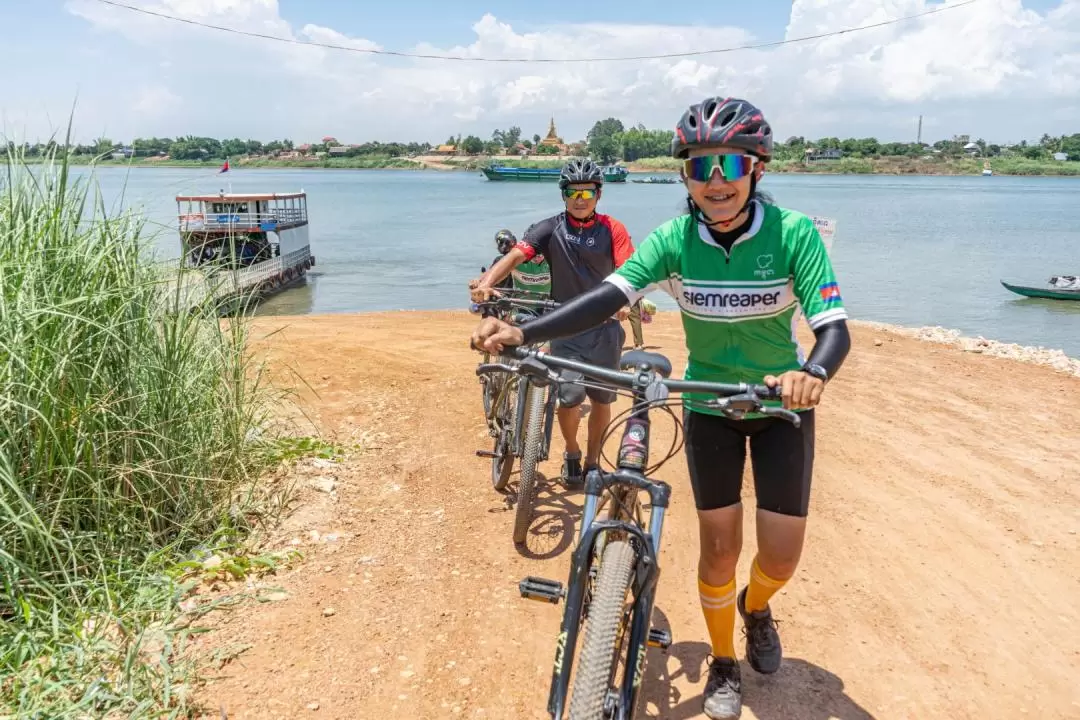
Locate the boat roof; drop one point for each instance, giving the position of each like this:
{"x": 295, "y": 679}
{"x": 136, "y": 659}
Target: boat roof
{"x": 223, "y": 197}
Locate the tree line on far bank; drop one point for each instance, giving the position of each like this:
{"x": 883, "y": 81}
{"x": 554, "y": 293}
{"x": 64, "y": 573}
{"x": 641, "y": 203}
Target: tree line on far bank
{"x": 609, "y": 140}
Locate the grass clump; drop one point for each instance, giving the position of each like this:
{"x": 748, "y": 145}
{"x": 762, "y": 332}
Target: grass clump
{"x": 124, "y": 449}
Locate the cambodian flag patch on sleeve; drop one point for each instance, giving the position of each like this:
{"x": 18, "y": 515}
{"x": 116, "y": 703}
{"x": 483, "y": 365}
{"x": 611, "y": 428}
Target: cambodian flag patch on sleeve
{"x": 830, "y": 292}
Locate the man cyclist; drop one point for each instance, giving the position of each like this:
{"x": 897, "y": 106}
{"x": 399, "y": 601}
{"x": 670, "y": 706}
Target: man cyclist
{"x": 742, "y": 271}
{"x": 582, "y": 248}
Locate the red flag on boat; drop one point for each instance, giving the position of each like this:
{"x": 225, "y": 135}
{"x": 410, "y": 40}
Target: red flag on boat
{"x": 225, "y": 167}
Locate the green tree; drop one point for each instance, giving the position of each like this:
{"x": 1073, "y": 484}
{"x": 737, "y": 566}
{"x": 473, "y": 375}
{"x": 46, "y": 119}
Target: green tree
{"x": 472, "y": 145}
{"x": 605, "y": 148}
{"x": 512, "y": 136}
{"x": 1050, "y": 144}
{"x": 1071, "y": 146}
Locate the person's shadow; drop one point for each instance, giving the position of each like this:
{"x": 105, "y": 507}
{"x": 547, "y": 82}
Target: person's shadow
{"x": 798, "y": 691}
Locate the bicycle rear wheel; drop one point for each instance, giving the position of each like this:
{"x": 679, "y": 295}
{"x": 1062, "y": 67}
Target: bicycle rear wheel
{"x": 534, "y": 409}
{"x": 603, "y": 630}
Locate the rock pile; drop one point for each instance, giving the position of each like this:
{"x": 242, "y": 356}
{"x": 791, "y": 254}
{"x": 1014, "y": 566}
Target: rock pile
{"x": 1056, "y": 359}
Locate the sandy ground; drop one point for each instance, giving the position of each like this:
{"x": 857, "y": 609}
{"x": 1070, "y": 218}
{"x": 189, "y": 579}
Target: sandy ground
{"x": 940, "y": 578}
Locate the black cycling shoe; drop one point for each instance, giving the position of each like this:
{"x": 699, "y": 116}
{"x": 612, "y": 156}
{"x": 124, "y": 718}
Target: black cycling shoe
{"x": 723, "y": 691}
{"x": 572, "y": 476}
{"x": 763, "y": 650}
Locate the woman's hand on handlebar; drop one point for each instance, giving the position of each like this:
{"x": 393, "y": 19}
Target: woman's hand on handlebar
{"x": 492, "y": 335}
{"x": 799, "y": 389}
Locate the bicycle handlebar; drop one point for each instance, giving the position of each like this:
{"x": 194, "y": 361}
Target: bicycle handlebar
{"x": 734, "y": 399}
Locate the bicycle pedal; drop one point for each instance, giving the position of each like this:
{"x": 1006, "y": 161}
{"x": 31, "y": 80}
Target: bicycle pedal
{"x": 486, "y": 454}
{"x": 659, "y": 638}
{"x": 542, "y": 590}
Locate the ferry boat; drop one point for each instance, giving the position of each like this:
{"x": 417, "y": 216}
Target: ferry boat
{"x": 242, "y": 245}
{"x": 612, "y": 173}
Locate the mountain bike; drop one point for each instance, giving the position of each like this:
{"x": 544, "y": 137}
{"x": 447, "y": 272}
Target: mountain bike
{"x": 520, "y": 414}
{"x": 614, "y": 570}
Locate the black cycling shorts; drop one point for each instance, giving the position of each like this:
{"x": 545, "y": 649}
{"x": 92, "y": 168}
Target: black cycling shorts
{"x": 782, "y": 456}
{"x": 601, "y": 345}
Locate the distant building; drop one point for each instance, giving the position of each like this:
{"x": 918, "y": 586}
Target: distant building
{"x": 1061, "y": 157}
{"x": 328, "y": 139}
{"x": 813, "y": 154}
{"x": 338, "y": 150}
{"x": 972, "y": 149}
{"x": 446, "y": 150}
{"x": 553, "y": 139}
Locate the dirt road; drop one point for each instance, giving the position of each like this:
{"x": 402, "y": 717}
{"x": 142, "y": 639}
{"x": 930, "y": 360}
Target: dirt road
{"x": 940, "y": 578}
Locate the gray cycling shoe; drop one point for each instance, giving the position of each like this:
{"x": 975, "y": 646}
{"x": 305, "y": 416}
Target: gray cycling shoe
{"x": 763, "y": 649}
{"x": 723, "y": 691}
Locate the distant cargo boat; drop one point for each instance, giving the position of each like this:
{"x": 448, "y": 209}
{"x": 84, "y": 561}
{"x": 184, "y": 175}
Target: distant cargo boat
{"x": 612, "y": 173}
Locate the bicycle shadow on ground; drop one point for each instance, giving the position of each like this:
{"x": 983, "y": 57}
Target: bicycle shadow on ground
{"x": 800, "y": 690}
{"x": 555, "y": 518}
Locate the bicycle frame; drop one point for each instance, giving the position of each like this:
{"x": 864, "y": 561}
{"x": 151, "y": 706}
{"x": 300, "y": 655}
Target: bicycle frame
{"x": 633, "y": 460}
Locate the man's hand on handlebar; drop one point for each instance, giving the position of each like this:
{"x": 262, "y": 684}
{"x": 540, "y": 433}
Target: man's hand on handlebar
{"x": 479, "y": 292}
{"x": 492, "y": 335}
{"x": 799, "y": 389}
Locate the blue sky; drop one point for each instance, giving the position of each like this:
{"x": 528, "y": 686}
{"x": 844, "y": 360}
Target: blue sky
{"x": 966, "y": 70}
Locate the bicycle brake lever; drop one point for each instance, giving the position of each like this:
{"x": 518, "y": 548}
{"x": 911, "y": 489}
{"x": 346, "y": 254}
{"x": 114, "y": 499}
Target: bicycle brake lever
{"x": 537, "y": 371}
{"x": 488, "y": 368}
{"x": 791, "y": 417}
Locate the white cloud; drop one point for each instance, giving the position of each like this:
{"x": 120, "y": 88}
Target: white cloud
{"x": 156, "y": 102}
{"x": 993, "y": 68}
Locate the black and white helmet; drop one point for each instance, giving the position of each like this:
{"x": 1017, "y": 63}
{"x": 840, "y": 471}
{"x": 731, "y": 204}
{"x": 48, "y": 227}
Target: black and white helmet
{"x": 505, "y": 241}
{"x": 729, "y": 122}
{"x": 580, "y": 170}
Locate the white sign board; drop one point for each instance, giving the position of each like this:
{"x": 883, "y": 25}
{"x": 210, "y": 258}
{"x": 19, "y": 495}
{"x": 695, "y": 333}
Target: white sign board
{"x": 826, "y": 227}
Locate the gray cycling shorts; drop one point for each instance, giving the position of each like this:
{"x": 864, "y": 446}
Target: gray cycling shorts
{"x": 601, "y": 346}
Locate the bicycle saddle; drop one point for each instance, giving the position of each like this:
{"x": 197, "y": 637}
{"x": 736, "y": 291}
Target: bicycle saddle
{"x": 654, "y": 361}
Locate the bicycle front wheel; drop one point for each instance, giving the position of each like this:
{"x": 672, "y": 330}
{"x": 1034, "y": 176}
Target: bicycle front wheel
{"x": 604, "y": 629}
{"x": 530, "y": 456}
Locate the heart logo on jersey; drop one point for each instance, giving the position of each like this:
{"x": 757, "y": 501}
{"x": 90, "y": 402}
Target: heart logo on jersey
{"x": 764, "y": 263}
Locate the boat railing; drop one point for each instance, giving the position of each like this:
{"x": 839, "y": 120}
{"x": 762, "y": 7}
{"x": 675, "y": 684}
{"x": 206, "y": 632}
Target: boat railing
{"x": 267, "y": 220}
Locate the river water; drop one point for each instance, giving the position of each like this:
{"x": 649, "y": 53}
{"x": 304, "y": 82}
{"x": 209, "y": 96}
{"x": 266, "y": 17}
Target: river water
{"x": 908, "y": 250}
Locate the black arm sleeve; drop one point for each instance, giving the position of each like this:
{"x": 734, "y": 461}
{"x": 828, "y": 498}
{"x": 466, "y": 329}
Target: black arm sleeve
{"x": 583, "y": 312}
{"x": 831, "y": 347}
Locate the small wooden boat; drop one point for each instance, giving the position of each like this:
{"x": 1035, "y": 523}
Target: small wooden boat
{"x": 1048, "y": 292}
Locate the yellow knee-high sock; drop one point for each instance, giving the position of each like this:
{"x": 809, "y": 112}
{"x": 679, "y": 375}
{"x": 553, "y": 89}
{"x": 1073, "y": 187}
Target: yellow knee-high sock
{"x": 762, "y": 587}
{"x": 718, "y": 604}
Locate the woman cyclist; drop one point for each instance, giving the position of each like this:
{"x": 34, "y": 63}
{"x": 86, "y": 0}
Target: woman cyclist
{"x": 742, "y": 271}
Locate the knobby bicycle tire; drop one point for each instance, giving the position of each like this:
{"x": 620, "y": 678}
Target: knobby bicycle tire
{"x": 534, "y": 410}
{"x": 596, "y": 668}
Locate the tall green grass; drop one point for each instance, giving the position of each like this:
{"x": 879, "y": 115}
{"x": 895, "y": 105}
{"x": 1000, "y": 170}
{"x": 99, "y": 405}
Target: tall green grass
{"x": 124, "y": 447}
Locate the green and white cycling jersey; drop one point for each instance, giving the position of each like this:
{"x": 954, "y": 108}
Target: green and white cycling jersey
{"x": 533, "y": 275}
{"x": 739, "y": 312}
